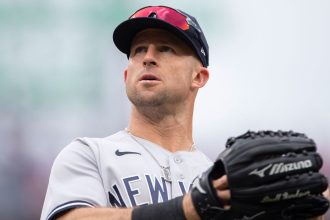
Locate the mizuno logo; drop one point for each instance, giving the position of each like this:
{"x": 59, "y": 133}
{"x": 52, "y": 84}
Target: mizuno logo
{"x": 277, "y": 168}
{"x": 121, "y": 153}
{"x": 260, "y": 173}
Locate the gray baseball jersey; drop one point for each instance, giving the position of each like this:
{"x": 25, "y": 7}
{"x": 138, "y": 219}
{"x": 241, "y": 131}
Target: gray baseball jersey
{"x": 118, "y": 171}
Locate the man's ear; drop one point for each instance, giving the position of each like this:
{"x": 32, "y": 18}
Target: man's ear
{"x": 201, "y": 77}
{"x": 125, "y": 75}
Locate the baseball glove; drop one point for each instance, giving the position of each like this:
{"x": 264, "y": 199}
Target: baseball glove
{"x": 271, "y": 175}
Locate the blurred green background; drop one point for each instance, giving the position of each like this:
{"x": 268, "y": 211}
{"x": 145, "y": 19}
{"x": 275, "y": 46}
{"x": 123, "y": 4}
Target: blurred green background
{"x": 62, "y": 77}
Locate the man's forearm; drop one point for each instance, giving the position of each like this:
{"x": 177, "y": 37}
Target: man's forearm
{"x": 126, "y": 213}
{"x": 97, "y": 214}
{"x": 178, "y": 208}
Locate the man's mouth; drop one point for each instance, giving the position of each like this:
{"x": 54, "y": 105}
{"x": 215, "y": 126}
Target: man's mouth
{"x": 149, "y": 77}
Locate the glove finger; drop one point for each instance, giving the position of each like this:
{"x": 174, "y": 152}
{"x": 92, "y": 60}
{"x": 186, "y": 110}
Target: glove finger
{"x": 308, "y": 207}
{"x": 304, "y": 208}
{"x": 265, "y": 171}
{"x": 249, "y": 149}
{"x": 286, "y": 189}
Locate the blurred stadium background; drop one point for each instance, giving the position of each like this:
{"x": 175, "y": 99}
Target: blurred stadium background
{"x": 62, "y": 77}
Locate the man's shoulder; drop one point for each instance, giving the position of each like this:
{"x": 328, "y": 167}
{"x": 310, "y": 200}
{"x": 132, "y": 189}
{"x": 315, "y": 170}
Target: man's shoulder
{"x": 99, "y": 142}
{"x": 93, "y": 146}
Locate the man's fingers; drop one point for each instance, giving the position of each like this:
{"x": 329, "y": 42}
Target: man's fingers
{"x": 221, "y": 186}
{"x": 224, "y": 195}
{"x": 221, "y": 183}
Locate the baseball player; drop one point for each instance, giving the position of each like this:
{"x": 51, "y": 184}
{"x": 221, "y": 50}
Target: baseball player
{"x": 145, "y": 171}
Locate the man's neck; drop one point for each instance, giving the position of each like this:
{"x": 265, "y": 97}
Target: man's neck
{"x": 171, "y": 131}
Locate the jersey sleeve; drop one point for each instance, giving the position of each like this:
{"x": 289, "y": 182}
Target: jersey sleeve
{"x": 74, "y": 181}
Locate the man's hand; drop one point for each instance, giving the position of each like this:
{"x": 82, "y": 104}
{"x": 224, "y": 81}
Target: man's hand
{"x": 221, "y": 186}
{"x": 223, "y": 192}
{"x": 264, "y": 175}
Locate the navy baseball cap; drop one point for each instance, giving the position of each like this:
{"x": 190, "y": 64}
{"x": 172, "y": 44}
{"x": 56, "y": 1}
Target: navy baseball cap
{"x": 175, "y": 21}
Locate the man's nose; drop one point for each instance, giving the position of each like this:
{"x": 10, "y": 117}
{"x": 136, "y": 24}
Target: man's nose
{"x": 150, "y": 56}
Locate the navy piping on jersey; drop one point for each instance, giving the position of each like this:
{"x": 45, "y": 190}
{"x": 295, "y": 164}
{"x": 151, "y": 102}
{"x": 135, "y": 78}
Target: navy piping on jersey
{"x": 67, "y": 206}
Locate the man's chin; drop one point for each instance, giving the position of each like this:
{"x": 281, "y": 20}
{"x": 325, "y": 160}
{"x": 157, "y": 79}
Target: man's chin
{"x": 150, "y": 100}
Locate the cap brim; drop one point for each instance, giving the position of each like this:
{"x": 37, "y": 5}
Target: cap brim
{"x": 125, "y": 32}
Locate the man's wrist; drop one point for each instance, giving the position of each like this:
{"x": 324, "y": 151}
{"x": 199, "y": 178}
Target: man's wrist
{"x": 189, "y": 208}
{"x": 172, "y": 209}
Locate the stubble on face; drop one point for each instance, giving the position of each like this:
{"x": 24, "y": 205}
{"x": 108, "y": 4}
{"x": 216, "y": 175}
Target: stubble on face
{"x": 151, "y": 99}
{"x": 173, "y": 90}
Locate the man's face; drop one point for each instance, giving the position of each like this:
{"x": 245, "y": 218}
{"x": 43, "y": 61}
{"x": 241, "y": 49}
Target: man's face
{"x": 160, "y": 70}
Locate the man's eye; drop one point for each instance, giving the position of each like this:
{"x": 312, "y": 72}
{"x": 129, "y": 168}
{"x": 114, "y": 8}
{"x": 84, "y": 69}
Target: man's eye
{"x": 140, "y": 49}
{"x": 166, "y": 49}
